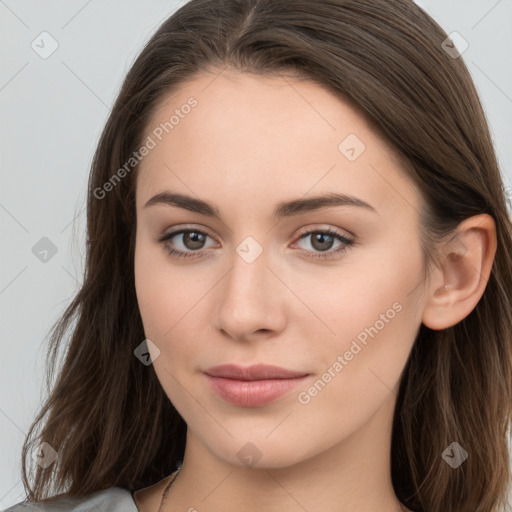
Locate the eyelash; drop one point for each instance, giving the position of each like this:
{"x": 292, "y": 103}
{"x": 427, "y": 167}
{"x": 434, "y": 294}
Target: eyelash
{"x": 320, "y": 255}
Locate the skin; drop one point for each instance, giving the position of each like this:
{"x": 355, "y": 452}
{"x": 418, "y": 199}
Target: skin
{"x": 250, "y": 143}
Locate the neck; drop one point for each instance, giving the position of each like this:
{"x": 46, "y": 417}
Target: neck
{"x": 353, "y": 475}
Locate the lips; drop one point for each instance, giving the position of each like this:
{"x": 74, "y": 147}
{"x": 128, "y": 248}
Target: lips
{"x": 253, "y": 386}
{"x": 255, "y": 372}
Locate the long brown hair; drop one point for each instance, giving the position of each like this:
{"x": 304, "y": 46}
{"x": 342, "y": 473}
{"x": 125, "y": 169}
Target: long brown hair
{"x": 107, "y": 415}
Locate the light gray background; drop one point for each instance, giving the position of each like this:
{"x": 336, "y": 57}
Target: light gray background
{"x": 52, "y": 112}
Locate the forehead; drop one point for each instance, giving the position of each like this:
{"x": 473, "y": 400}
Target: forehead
{"x": 259, "y": 138}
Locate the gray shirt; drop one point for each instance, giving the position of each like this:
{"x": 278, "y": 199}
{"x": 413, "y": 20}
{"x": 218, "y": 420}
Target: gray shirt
{"x": 114, "y": 499}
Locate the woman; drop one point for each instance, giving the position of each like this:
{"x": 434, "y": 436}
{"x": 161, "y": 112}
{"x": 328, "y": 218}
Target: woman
{"x": 222, "y": 357}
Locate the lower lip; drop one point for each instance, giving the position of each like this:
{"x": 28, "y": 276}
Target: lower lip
{"x": 252, "y": 393}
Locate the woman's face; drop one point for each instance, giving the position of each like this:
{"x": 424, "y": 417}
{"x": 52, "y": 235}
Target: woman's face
{"x": 262, "y": 281}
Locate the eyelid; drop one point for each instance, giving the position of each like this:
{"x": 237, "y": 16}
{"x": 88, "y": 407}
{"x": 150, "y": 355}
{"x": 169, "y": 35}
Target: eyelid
{"x": 176, "y": 230}
{"x": 345, "y": 242}
{"x": 327, "y": 227}
{"x": 306, "y": 230}
{"x": 302, "y": 231}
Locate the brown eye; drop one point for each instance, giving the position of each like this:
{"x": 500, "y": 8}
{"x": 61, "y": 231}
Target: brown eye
{"x": 192, "y": 241}
{"x": 322, "y": 241}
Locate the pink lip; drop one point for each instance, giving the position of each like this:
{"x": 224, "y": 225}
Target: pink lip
{"x": 252, "y": 386}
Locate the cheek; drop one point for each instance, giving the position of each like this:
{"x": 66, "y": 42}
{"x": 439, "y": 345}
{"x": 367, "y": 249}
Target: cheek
{"x": 376, "y": 319}
{"x": 367, "y": 289}
{"x": 157, "y": 296}
{"x": 169, "y": 300}
{"x": 360, "y": 372}
{"x": 169, "y": 305}
{"x": 147, "y": 288}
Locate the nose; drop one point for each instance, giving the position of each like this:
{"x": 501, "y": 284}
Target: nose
{"x": 250, "y": 300}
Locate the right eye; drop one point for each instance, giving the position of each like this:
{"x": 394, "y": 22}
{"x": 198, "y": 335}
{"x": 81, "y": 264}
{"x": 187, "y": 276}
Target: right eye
{"x": 192, "y": 241}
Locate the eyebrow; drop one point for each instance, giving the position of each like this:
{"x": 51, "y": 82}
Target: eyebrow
{"x": 283, "y": 209}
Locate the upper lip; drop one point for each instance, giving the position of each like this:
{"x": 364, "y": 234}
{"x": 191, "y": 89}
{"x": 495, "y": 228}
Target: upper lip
{"x": 254, "y": 372}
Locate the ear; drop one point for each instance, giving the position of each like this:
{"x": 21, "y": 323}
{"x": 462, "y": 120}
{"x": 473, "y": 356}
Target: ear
{"x": 456, "y": 286}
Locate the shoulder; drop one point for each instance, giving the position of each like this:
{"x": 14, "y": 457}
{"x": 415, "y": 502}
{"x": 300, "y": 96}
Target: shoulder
{"x": 115, "y": 499}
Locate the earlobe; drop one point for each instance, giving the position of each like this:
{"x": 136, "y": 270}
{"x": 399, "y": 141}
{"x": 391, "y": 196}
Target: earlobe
{"x": 457, "y": 285}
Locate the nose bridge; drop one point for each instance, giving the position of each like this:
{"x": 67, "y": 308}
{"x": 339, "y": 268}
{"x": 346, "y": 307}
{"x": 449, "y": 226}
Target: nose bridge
{"x": 248, "y": 300}
{"x": 248, "y": 278}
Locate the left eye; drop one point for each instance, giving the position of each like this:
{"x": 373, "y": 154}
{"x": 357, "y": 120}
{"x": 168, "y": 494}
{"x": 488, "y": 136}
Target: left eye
{"x": 193, "y": 242}
{"x": 324, "y": 237}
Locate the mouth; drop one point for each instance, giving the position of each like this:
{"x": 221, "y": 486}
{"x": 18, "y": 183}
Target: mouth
{"x": 253, "y": 386}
